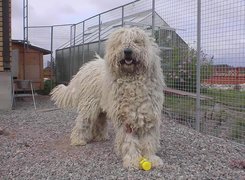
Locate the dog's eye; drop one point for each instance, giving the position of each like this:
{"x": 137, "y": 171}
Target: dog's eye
{"x": 139, "y": 42}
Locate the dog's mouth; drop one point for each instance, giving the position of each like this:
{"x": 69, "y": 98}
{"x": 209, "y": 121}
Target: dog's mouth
{"x": 128, "y": 61}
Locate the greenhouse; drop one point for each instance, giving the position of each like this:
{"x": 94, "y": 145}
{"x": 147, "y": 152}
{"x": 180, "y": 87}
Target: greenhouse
{"x": 83, "y": 46}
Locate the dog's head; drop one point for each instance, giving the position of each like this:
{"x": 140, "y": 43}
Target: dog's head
{"x": 130, "y": 51}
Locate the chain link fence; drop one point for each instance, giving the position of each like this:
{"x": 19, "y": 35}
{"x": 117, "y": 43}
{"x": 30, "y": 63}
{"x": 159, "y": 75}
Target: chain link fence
{"x": 202, "y": 48}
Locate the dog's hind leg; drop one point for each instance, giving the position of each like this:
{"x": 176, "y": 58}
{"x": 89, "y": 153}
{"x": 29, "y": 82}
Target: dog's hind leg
{"x": 82, "y": 131}
{"x": 88, "y": 129}
{"x": 99, "y": 129}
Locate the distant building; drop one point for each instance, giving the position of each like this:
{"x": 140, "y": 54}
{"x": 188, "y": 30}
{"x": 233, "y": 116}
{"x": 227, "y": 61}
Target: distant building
{"x": 47, "y": 73}
{"x": 226, "y": 75}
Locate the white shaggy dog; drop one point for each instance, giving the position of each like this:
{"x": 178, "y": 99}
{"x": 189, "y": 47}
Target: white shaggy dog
{"x": 127, "y": 88}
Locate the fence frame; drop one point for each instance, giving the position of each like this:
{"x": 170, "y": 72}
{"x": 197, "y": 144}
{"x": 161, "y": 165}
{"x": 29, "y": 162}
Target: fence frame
{"x": 74, "y": 32}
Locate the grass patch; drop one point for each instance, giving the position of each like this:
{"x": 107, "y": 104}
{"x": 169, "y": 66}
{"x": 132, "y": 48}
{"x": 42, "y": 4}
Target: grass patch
{"x": 227, "y": 106}
{"x": 231, "y": 98}
{"x": 238, "y": 130}
{"x": 182, "y": 106}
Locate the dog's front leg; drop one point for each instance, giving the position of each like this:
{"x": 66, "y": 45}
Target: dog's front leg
{"x": 128, "y": 146}
{"x": 150, "y": 143}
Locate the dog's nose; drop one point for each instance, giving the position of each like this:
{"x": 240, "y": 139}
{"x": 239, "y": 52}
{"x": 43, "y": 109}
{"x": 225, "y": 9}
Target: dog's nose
{"x": 128, "y": 52}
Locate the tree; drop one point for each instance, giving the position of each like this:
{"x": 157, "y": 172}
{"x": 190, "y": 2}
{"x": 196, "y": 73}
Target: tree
{"x": 180, "y": 71}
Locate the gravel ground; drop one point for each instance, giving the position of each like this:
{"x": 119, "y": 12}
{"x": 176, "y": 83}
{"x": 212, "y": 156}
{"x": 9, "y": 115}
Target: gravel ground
{"x": 35, "y": 145}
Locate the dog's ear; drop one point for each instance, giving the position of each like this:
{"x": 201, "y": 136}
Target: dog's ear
{"x": 153, "y": 41}
{"x": 111, "y": 61}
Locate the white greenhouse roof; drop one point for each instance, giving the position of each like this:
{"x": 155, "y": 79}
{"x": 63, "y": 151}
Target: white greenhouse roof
{"x": 142, "y": 19}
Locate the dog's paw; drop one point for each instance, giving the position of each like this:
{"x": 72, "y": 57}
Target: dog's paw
{"x": 101, "y": 138}
{"x": 155, "y": 160}
{"x": 131, "y": 163}
{"x": 78, "y": 142}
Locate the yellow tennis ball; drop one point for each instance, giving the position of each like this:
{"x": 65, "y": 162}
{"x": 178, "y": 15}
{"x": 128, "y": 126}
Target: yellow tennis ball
{"x": 145, "y": 164}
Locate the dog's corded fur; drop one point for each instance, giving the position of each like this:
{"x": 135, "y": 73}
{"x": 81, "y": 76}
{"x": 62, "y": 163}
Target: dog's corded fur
{"x": 129, "y": 92}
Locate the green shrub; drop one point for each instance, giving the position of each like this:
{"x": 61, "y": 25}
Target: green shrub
{"x": 48, "y": 86}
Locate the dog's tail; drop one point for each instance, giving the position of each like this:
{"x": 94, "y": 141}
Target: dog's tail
{"x": 62, "y": 96}
{"x": 83, "y": 89}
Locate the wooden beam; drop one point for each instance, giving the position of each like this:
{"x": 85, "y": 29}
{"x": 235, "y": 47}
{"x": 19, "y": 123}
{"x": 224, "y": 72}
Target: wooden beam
{"x": 47, "y": 110}
{"x": 184, "y": 93}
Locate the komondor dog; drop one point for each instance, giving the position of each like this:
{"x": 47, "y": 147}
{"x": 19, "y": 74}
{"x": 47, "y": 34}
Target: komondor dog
{"x": 126, "y": 88}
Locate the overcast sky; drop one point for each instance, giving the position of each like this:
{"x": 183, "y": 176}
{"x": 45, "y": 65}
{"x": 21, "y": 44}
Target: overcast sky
{"x": 50, "y": 12}
{"x": 223, "y": 21}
